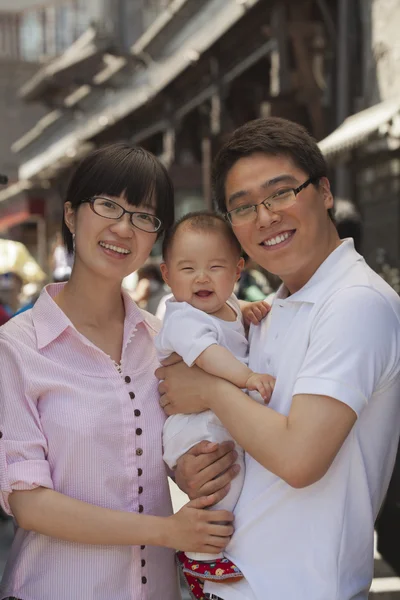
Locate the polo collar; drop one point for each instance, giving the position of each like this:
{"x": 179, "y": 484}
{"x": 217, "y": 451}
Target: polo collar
{"x": 50, "y": 321}
{"x": 332, "y": 269}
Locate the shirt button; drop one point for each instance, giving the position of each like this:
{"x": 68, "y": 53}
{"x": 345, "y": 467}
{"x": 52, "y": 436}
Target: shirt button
{"x": 140, "y": 490}
{"x": 144, "y": 580}
{"x": 139, "y": 431}
{"x": 140, "y": 472}
{"x": 140, "y": 508}
{"x": 131, "y": 395}
{"x": 142, "y": 547}
{"x": 1, "y": 434}
{"x": 137, "y": 413}
{"x": 143, "y": 562}
{"x": 127, "y": 379}
{"x": 139, "y": 452}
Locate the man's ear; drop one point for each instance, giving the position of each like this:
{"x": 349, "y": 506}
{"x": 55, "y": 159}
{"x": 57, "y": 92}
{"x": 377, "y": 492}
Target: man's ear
{"x": 69, "y": 217}
{"x": 239, "y": 268}
{"x": 325, "y": 188}
{"x": 164, "y": 272}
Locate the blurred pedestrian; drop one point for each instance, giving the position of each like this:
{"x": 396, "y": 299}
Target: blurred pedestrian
{"x": 150, "y": 288}
{"x": 61, "y": 260}
{"x": 80, "y": 453}
{"x": 348, "y": 221}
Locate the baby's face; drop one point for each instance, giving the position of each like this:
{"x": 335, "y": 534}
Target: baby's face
{"x": 202, "y": 269}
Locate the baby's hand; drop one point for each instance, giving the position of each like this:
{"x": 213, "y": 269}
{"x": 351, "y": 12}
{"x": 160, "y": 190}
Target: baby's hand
{"x": 254, "y": 312}
{"x": 262, "y": 383}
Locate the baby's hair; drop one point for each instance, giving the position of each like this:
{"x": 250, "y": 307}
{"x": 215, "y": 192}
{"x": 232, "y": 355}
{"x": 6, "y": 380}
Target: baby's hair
{"x": 204, "y": 221}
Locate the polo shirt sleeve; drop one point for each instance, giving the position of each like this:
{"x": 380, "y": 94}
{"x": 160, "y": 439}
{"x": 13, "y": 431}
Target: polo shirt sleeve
{"x": 23, "y": 445}
{"x": 188, "y": 332}
{"x": 353, "y": 349}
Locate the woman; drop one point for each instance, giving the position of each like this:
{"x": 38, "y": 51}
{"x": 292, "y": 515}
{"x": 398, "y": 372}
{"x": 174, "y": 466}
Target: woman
{"x": 81, "y": 464}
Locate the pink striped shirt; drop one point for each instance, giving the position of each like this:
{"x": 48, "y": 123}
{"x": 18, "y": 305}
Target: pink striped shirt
{"x": 70, "y": 421}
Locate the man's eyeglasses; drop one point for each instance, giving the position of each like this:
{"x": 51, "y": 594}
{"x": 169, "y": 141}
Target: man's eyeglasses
{"x": 104, "y": 207}
{"x": 278, "y": 201}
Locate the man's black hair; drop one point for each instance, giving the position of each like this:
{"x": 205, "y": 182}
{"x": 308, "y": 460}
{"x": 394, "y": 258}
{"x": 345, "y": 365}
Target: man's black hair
{"x": 272, "y": 136}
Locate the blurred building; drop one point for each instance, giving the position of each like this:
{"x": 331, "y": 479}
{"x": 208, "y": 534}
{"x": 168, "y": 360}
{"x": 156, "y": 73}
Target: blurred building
{"x": 177, "y": 75}
{"x": 365, "y": 149}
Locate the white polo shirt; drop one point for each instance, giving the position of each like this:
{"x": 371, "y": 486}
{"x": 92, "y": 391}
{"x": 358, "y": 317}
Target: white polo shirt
{"x": 338, "y": 336}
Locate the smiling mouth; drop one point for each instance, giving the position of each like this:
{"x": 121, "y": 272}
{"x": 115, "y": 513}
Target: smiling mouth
{"x": 278, "y": 239}
{"x": 203, "y": 293}
{"x": 114, "y": 248}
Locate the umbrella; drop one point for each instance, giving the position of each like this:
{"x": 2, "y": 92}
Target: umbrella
{"x": 15, "y": 258}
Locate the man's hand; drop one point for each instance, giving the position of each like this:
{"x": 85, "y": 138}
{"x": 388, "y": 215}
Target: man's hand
{"x": 254, "y": 312}
{"x": 184, "y": 390}
{"x": 207, "y": 468}
{"x": 262, "y": 383}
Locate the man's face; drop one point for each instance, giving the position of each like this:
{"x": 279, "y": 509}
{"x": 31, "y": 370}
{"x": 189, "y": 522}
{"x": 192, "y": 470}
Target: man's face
{"x": 293, "y": 242}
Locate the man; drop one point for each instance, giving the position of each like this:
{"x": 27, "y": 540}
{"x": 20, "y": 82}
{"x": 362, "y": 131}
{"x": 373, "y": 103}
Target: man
{"x": 319, "y": 457}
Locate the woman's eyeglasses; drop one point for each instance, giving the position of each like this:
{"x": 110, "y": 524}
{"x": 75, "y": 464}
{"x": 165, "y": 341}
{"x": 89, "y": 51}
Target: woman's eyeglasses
{"x": 104, "y": 207}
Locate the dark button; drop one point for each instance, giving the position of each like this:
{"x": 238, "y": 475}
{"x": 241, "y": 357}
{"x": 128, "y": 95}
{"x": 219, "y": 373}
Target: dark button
{"x": 144, "y": 580}
{"x": 142, "y": 547}
{"x": 1, "y": 434}
{"x": 139, "y": 431}
{"x": 140, "y": 472}
{"x": 127, "y": 379}
{"x": 131, "y": 395}
{"x": 143, "y": 562}
{"x": 137, "y": 413}
{"x": 140, "y": 508}
{"x": 140, "y": 490}
{"x": 139, "y": 452}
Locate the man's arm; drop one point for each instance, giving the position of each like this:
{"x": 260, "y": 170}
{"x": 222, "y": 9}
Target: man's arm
{"x": 351, "y": 352}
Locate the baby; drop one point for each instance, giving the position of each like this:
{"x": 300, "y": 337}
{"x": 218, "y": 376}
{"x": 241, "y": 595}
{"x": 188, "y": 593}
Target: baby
{"x": 203, "y": 324}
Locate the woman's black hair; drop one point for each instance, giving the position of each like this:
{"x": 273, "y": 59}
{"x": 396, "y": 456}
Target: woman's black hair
{"x": 122, "y": 170}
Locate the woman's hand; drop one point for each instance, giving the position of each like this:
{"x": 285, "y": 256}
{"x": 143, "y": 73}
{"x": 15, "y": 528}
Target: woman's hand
{"x": 207, "y": 468}
{"x": 185, "y": 390}
{"x": 194, "y": 529}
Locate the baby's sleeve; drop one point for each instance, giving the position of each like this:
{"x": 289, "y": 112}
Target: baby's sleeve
{"x": 23, "y": 444}
{"x": 188, "y": 332}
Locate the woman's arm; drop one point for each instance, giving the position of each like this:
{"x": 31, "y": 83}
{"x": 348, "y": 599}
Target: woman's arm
{"x": 53, "y": 514}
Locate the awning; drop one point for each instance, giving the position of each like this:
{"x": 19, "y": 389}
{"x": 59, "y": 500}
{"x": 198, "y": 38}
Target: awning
{"x": 379, "y": 120}
{"x": 19, "y": 211}
{"x": 192, "y": 41}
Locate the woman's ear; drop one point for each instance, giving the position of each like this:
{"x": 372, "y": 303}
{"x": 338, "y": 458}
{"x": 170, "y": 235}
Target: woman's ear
{"x": 164, "y": 272}
{"x": 69, "y": 217}
{"x": 239, "y": 268}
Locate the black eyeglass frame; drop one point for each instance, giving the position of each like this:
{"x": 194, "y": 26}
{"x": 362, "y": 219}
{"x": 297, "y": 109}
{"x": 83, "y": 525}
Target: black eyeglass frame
{"x": 92, "y": 200}
{"x": 265, "y": 201}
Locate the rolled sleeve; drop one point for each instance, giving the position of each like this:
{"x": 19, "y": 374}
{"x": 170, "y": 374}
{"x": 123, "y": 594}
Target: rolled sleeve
{"x": 353, "y": 348}
{"x": 23, "y": 445}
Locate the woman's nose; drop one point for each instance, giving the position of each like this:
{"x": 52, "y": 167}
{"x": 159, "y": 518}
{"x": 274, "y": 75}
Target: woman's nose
{"x": 123, "y": 226}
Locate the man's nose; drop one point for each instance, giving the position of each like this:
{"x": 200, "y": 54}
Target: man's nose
{"x": 266, "y": 216}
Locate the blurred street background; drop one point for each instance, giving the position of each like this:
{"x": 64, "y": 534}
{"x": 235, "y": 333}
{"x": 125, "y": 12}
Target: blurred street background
{"x": 177, "y": 76}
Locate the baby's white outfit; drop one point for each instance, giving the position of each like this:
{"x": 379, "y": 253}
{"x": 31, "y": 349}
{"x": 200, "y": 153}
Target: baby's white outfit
{"x": 188, "y": 331}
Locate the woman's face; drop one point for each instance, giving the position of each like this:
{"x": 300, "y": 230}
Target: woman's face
{"x": 110, "y": 248}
